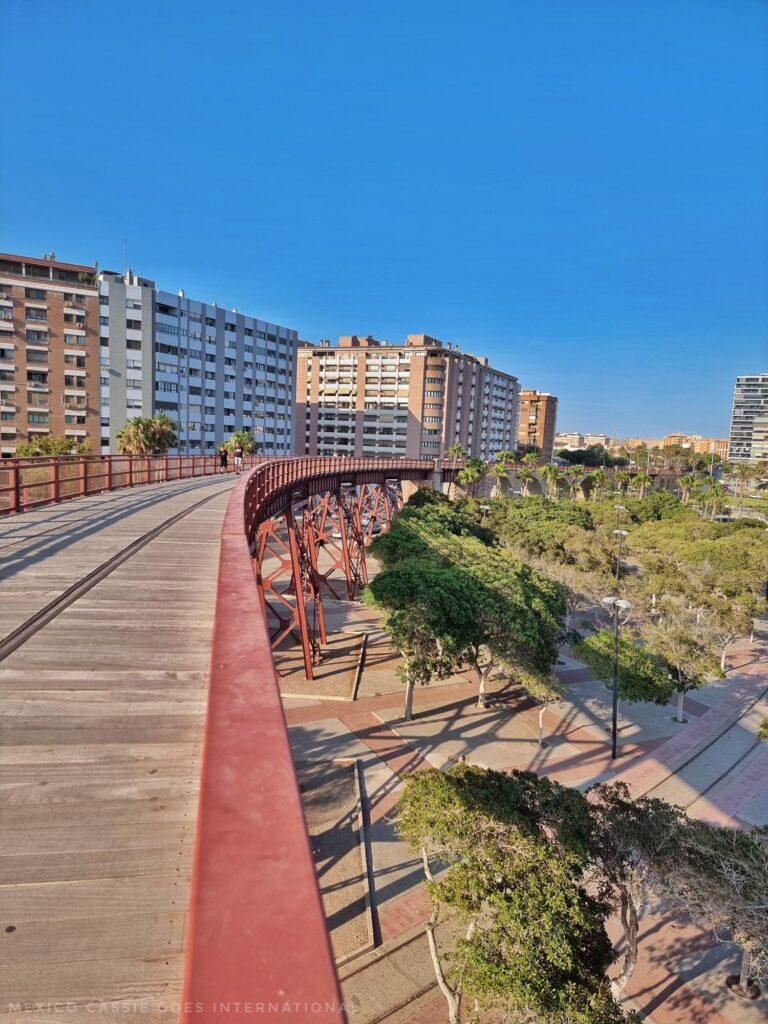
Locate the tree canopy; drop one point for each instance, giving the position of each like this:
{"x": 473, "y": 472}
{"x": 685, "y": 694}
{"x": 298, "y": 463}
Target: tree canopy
{"x": 50, "y": 445}
{"x": 534, "y": 939}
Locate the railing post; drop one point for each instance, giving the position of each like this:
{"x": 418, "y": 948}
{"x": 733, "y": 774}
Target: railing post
{"x": 55, "y": 465}
{"x": 130, "y": 471}
{"x": 165, "y": 463}
{"x": 109, "y": 472}
{"x": 16, "y": 483}
{"x": 84, "y": 470}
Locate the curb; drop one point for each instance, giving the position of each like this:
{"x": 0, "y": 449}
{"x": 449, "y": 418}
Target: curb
{"x": 366, "y": 867}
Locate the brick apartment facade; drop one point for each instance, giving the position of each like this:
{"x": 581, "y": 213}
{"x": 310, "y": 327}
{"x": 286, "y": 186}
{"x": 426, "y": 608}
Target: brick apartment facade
{"x": 367, "y": 397}
{"x": 538, "y": 422}
{"x": 49, "y": 351}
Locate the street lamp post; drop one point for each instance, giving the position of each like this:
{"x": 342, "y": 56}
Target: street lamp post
{"x": 616, "y": 606}
{"x": 621, "y": 534}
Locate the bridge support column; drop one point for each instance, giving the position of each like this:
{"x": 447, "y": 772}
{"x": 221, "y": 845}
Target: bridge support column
{"x": 286, "y": 571}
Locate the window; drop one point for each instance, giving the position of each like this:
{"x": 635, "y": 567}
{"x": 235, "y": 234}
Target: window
{"x": 135, "y": 325}
{"x": 104, "y": 321}
{"x": 33, "y": 356}
{"x": 38, "y": 417}
{"x": 36, "y": 294}
{"x": 38, "y": 337}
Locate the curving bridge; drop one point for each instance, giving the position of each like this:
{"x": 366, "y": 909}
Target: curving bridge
{"x": 149, "y": 813}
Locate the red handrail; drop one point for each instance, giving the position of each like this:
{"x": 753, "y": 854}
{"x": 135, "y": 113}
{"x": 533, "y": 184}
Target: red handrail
{"x": 33, "y": 482}
{"x": 257, "y": 943}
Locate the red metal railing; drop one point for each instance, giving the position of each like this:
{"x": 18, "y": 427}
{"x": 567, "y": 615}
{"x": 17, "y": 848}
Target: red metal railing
{"x": 268, "y": 487}
{"x": 257, "y": 943}
{"x": 29, "y": 483}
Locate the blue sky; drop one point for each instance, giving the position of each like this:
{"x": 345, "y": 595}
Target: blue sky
{"x": 578, "y": 190}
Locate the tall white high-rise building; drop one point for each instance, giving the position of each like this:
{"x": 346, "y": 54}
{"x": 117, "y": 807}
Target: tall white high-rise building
{"x": 212, "y": 370}
{"x": 747, "y": 439}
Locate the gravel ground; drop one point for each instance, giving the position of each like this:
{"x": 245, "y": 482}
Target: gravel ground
{"x": 331, "y": 811}
{"x": 334, "y": 675}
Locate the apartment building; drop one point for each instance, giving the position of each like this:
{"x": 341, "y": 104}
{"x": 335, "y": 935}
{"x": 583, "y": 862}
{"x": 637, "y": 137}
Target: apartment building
{"x": 538, "y": 422}
{"x": 746, "y": 442}
{"x": 368, "y": 397}
{"x": 571, "y": 440}
{"x": 212, "y": 370}
{"x": 49, "y": 351}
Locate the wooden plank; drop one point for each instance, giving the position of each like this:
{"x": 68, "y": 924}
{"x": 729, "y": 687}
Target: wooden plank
{"x": 51, "y": 942}
{"x": 151, "y": 979}
{"x": 99, "y": 770}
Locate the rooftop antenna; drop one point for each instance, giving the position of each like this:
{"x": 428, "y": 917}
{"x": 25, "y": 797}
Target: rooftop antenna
{"x": 125, "y": 256}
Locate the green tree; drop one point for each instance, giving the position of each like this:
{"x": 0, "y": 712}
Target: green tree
{"x": 498, "y": 471}
{"x": 526, "y": 477}
{"x": 530, "y": 459}
{"x": 428, "y": 614}
{"x": 534, "y": 944}
{"x": 641, "y": 676}
{"x": 721, "y": 881}
{"x": 455, "y": 452}
{"x": 50, "y": 445}
{"x": 469, "y": 477}
{"x": 552, "y": 475}
{"x": 598, "y": 481}
{"x": 684, "y": 649}
{"x": 629, "y": 841}
{"x": 687, "y": 483}
{"x": 518, "y": 617}
{"x": 642, "y": 481}
{"x": 573, "y": 477}
{"x": 622, "y": 480}
{"x": 743, "y": 474}
{"x": 244, "y": 438}
{"x": 144, "y": 435}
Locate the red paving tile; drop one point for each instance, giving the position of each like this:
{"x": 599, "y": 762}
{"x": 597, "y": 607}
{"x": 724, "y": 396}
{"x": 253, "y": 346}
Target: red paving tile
{"x": 402, "y": 913}
{"x": 726, "y": 803}
{"x": 654, "y": 989}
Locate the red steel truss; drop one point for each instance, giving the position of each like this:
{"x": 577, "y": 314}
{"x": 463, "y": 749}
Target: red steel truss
{"x": 308, "y": 533}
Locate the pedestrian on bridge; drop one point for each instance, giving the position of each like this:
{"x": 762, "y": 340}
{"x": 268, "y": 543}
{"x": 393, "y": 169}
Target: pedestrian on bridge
{"x": 239, "y": 458}
{"x": 223, "y": 458}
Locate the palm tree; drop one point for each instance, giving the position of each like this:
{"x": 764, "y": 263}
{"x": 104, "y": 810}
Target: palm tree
{"x": 598, "y": 479}
{"x": 742, "y": 473}
{"x": 474, "y": 470}
{"x": 506, "y": 456}
{"x": 622, "y": 479}
{"x": 499, "y": 471}
{"x": 456, "y": 452}
{"x": 135, "y": 438}
{"x": 531, "y": 459}
{"x": 526, "y": 477}
{"x": 163, "y": 433}
{"x": 687, "y": 483}
{"x": 641, "y": 481}
{"x": 710, "y": 491}
{"x": 552, "y": 475}
{"x": 574, "y": 475}
{"x": 242, "y": 437}
{"x": 143, "y": 435}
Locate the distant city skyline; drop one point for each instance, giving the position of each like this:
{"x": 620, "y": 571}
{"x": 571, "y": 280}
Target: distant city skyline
{"x": 578, "y": 192}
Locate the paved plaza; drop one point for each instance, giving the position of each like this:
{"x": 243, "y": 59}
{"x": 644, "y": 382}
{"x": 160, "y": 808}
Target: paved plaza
{"x": 680, "y": 975}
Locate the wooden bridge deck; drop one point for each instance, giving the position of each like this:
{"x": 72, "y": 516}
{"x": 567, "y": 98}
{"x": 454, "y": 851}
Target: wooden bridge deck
{"x": 103, "y": 710}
